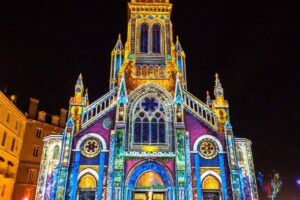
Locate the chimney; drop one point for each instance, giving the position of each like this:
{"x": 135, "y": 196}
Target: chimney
{"x": 55, "y": 119}
{"x": 63, "y": 117}
{"x": 42, "y": 116}
{"x": 33, "y": 108}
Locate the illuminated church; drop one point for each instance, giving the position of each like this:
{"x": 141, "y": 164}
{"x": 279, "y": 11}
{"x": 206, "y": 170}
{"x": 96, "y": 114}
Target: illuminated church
{"x": 147, "y": 138}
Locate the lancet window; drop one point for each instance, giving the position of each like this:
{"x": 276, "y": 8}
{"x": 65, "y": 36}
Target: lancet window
{"x": 156, "y": 38}
{"x": 149, "y": 122}
{"x": 144, "y": 33}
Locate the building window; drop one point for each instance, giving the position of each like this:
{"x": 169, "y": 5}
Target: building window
{"x": 144, "y": 33}
{"x": 31, "y": 176}
{"x": 13, "y": 144}
{"x": 149, "y": 122}
{"x": 55, "y": 153}
{"x": 35, "y": 151}
{"x": 3, "y": 139}
{"x": 38, "y": 133}
{"x": 17, "y": 125}
{"x": 3, "y": 190}
{"x": 8, "y": 117}
{"x": 156, "y": 38}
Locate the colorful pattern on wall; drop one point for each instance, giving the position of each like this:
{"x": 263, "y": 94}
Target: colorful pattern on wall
{"x": 148, "y": 137}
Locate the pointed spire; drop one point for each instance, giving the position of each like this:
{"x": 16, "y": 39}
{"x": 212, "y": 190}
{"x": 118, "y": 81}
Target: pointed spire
{"x": 86, "y": 95}
{"x": 178, "y": 92}
{"x": 178, "y": 46}
{"x": 217, "y": 81}
{"x": 208, "y": 99}
{"x": 70, "y": 122}
{"x": 122, "y": 93}
{"x": 79, "y": 85}
{"x": 228, "y": 125}
{"x": 79, "y": 80}
{"x": 119, "y": 44}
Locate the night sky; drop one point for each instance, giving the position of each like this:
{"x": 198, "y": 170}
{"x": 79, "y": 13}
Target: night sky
{"x": 253, "y": 45}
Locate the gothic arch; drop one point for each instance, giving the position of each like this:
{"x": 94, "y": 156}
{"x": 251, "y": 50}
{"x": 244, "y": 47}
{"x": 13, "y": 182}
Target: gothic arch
{"x": 103, "y": 143}
{"x": 156, "y": 36}
{"x": 145, "y": 166}
{"x": 196, "y": 144}
{"x": 88, "y": 171}
{"x": 213, "y": 173}
{"x": 144, "y": 33}
{"x": 158, "y": 96}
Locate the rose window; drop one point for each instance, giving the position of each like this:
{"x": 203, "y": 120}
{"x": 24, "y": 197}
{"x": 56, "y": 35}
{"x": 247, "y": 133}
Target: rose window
{"x": 91, "y": 147}
{"x": 208, "y": 149}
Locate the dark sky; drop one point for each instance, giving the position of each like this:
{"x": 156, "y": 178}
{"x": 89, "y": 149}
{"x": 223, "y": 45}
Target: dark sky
{"x": 253, "y": 45}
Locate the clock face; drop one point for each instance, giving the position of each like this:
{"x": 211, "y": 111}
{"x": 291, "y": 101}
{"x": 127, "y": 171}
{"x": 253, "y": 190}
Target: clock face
{"x": 208, "y": 149}
{"x": 219, "y": 93}
{"x": 91, "y": 147}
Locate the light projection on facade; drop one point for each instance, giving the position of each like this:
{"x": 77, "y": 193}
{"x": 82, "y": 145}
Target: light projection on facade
{"x": 147, "y": 138}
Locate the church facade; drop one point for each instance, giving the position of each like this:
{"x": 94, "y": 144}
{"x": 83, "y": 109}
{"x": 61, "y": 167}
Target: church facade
{"x": 148, "y": 138}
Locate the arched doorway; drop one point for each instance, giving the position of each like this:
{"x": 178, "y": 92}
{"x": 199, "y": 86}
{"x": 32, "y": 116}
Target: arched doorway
{"x": 87, "y": 187}
{"x": 211, "y": 188}
{"x": 150, "y": 186}
{"x": 149, "y": 181}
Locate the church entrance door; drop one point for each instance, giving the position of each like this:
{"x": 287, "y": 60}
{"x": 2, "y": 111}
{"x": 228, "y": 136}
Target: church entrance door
{"x": 87, "y": 195}
{"x": 211, "y": 196}
{"x": 149, "y": 195}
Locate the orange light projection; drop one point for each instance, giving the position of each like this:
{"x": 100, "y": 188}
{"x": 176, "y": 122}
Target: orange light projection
{"x": 211, "y": 183}
{"x": 149, "y": 179}
{"x": 87, "y": 182}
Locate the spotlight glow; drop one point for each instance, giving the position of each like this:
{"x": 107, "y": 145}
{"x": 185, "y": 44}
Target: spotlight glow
{"x": 298, "y": 181}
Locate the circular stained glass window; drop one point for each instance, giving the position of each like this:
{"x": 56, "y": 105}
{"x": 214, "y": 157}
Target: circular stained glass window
{"x": 91, "y": 147}
{"x": 208, "y": 149}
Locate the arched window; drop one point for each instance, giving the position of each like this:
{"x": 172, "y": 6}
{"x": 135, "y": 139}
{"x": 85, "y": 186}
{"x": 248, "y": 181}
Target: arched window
{"x": 149, "y": 122}
{"x": 55, "y": 153}
{"x": 144, "y": 38}
{"x": 156, "y": 38}
{"x": 162, "y": 71}
{"x": 156, "y": 71}
{"x": 138, "y": 71}
{"x": 150, "y": 72}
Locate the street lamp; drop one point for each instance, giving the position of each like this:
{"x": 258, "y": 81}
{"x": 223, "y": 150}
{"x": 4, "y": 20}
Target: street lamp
{"x": 298, "y": 181}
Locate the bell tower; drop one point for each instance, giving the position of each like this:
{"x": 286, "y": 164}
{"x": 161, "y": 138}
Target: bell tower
{"x": 150, "y": 55}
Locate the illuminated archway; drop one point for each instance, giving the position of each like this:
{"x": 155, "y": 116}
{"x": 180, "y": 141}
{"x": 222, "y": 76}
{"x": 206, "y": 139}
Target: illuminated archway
{"x": 211, "y": 183}
{"x": 87, "y": 181}
{"x": 211, "y": 187}
{"x": 149, "y": 179}
{"x": 87, "y": 187}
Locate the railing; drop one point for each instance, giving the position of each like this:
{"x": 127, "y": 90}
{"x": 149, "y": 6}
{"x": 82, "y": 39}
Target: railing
{"x": 200, "y": 109}
{"x": 99, "y": 107}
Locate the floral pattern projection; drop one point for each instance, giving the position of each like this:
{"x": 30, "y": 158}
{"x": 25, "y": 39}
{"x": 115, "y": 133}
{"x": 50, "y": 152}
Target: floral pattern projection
{"x": 147, "y": 138}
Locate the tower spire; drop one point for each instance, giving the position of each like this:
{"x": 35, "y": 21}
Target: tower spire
{"x": 220, "y": 105}
{"x": 77, "y": 103}
{"x": 119, "y": 44}
{"x": 180, "y": 58}
{"x": 208, "y": 99}
{"x": 79, "y": 89}
{"x": 117, "y": 59}
{"x": 178, "y": 92}
{"x": 219, "y": 92}
{"x": 122, "y": 93}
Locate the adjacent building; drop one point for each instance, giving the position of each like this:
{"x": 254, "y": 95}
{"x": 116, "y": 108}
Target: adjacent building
{"x": 12, "y": 126}
{"x": 39, "y": 125}
{"x": 148, "y": 137}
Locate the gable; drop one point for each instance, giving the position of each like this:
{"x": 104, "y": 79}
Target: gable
{"x": 197, "y": 128}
